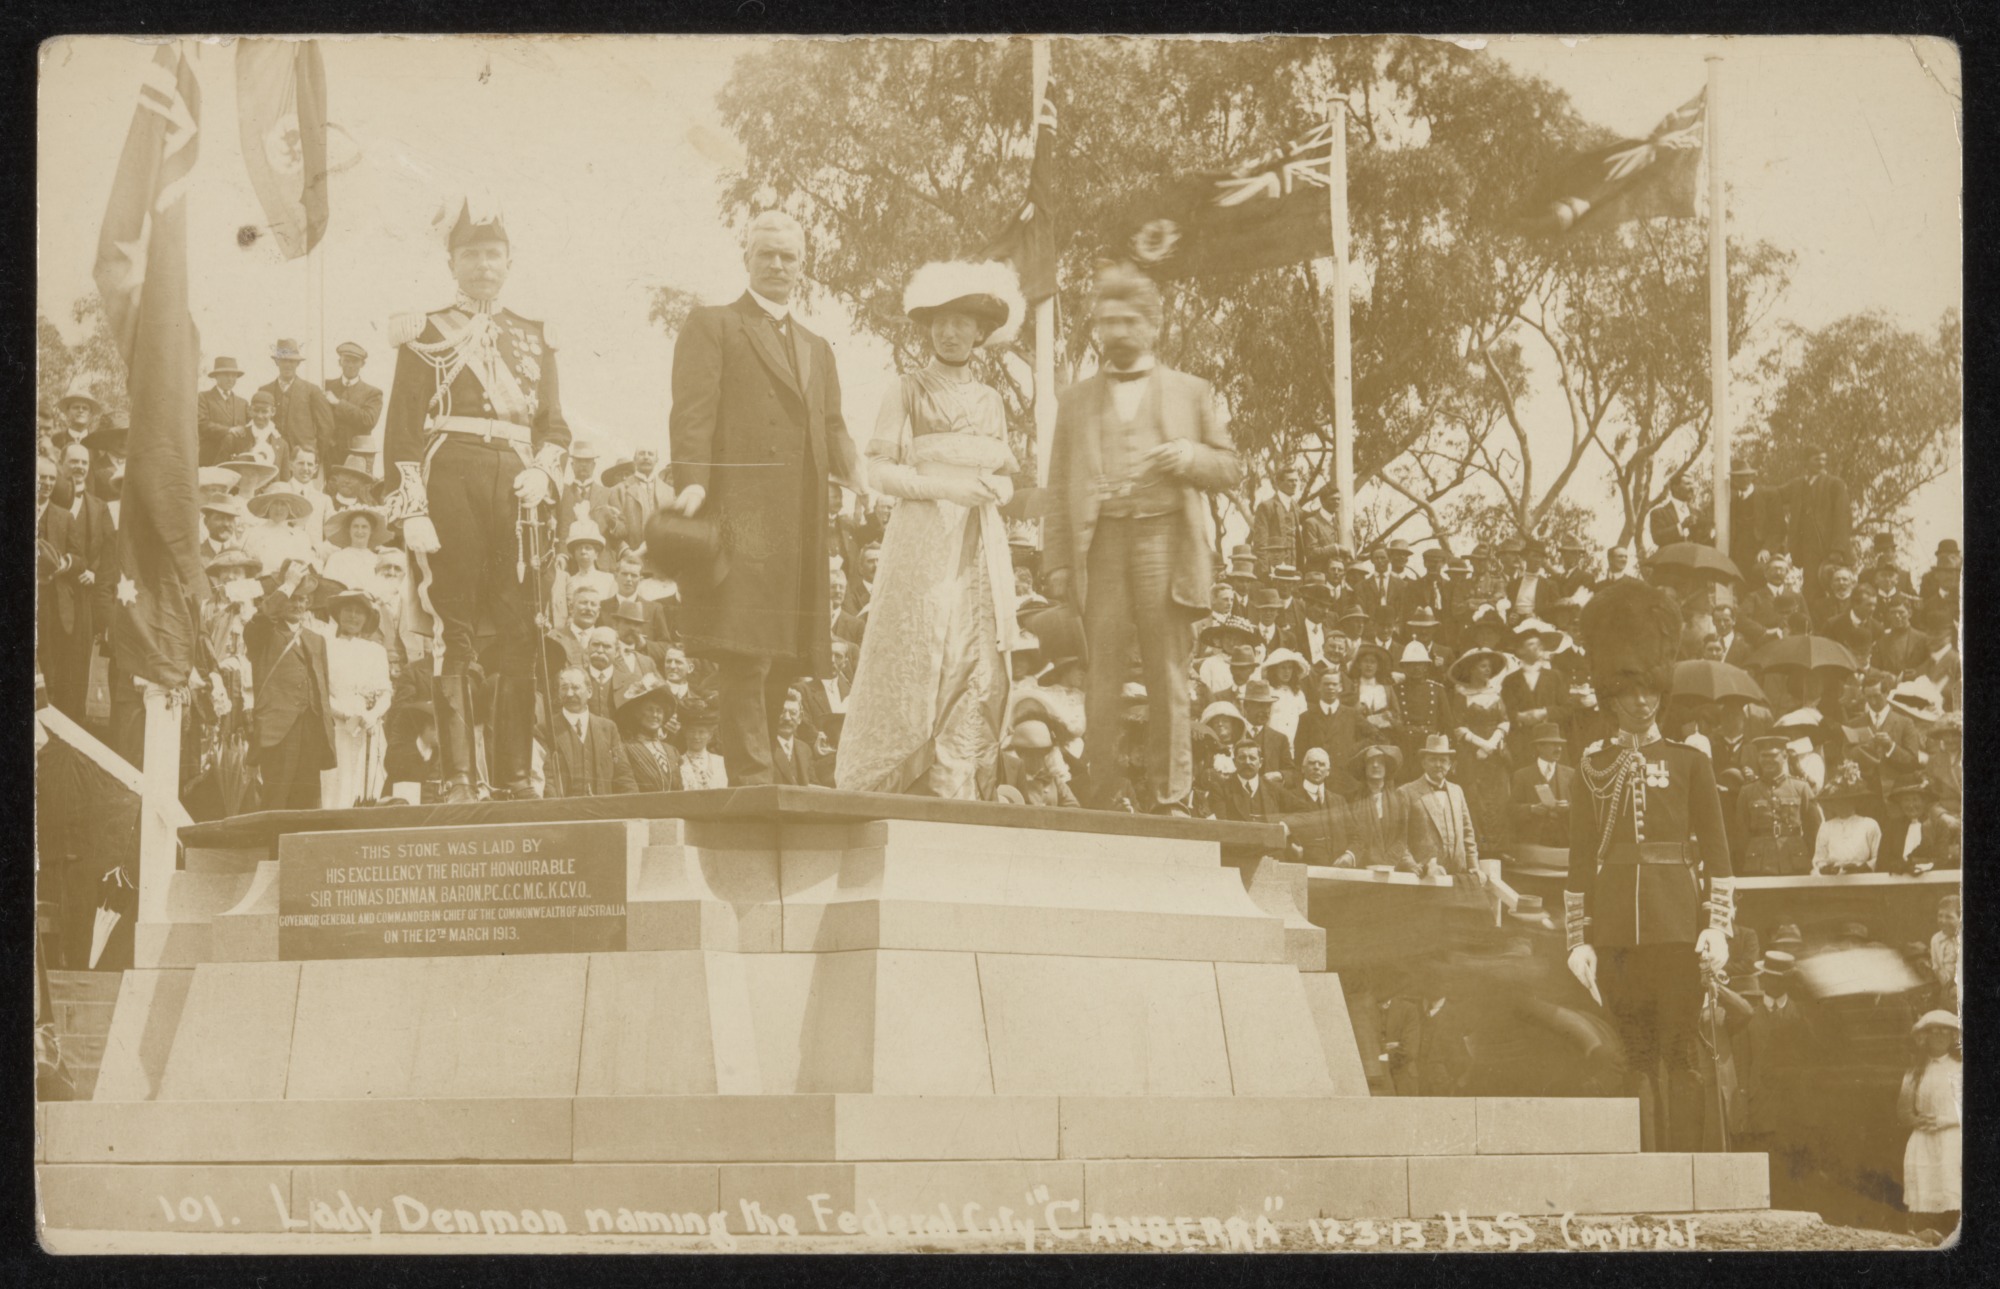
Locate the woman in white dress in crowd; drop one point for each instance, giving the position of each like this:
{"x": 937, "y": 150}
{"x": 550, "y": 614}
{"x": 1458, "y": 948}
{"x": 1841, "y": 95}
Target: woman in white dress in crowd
{"x": 700, "y": 767}
{"x": 925, "y": 713}
{"x": 358, "y": 692}
{"x": 354, "y": 534}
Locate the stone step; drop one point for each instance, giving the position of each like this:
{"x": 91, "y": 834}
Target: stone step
{"x": 84, "y": 986}
{"x": 835, "y": 1128}
{"x": 834, "y": 1198}
{"x": 73, "y": 1018}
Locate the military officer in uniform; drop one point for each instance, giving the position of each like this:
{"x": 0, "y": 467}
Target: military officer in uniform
{"x": 1646, "y": 834}
{"x": 476, "y": 432}
{"x": 1779, "y": 815}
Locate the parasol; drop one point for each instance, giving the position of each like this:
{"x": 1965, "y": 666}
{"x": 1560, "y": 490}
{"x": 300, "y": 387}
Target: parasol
{"x": 1804, "y": 653}
{"x": 1697, "y": 560}
{"x": 1708, "y": 681}
{"x": 117, "y": 899}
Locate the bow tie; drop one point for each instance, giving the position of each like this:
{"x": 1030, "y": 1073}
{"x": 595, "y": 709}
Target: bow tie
{"x": 1117, "y": 375}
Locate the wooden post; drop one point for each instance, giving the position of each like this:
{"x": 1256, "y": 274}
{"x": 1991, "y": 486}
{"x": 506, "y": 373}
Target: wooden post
{"x": 1718, "y": 310}
{"x": 1045, "y": 312}
{"x": 1343, "y": 367}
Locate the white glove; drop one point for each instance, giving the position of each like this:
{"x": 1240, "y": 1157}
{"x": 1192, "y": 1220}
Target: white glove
{"x": 1003, "y": 488}
{"x": 688, "y": 500}
{"x": 531, "y": 486}
{"x": 1713, "y": 948}
{"x": 1583, "y": 965}
{"x": 420, "y": 535}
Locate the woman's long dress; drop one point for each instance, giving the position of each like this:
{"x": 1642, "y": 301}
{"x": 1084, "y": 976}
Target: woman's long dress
{"x": 358, "y": 692}
{"x": 1932, "y": 1160}
{"x": 1487, "y": 780}
{"x": 925, "y": 712}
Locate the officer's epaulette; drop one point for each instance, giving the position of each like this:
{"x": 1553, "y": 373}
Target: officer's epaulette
{"x": 405, "y": 327}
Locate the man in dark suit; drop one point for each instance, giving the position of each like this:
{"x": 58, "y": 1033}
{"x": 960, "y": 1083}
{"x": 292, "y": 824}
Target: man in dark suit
{"x": 292, "y": 736}
{"x": 1258, "y": 700}
{"x": 1328, "y": 723}
{"x": 791, "y": 756}
{"x": 1756, "y": 519}
{"x": 846, "y": 625}
{"x": 82, "y": 592}
{"x": 1246, "y": 796}
{"x": 1821, "y": 518}
{"x": 220, "y": 415}
{"x": 1274, "y": 526}
{"x": 303, "y": 411}
{"x": 1384, "y": 596}
{"x": 1774, "y": 609}
{"x": 1541, "y": 818}
{"x": 53, "y": 560}
{"x": 1736, "y": 649}
{"x": 1675, "y": 520}
{"x": 756, "y": 421}
{"x": 357, "y": 405}
{"x": 590, "y": 757}
{"x": 608, "y": 674}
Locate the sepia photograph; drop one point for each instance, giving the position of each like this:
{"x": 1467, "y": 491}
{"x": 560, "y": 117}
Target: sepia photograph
{"x": 997, "y": 644}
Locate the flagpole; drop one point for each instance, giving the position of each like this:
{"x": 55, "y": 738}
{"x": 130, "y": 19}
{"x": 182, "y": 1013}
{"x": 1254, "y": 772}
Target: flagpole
{"x": 1718, "y": 309}
{"x": 1343, "y": 369}
{"x": 1045, "y": 311}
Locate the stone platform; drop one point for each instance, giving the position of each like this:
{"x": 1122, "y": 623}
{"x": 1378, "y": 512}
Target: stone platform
{"x": 814, "y": 1003}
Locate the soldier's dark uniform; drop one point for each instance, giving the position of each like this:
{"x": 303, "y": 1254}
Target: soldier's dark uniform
{"x": 1774, "y": 828}
{"x": 1646, "y": 834}
{"x": 475, "y": 402}
{"x": 1422, "y": 700}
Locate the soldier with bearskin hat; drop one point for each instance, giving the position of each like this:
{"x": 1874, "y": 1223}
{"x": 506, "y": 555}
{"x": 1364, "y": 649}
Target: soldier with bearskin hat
{"x": 1646, "y": 835}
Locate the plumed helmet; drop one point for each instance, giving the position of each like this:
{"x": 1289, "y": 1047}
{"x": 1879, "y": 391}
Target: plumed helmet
{"x": 987, "y": 291}
{"x": 1632, "y": 632}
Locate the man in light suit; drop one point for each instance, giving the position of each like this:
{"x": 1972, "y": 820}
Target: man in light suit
{"x": 303, "y": 411}
{"x": 756, "y": 433}
{"x": 357, "y": 405}
{"x": 590, "y": 757}
{"x": 1127, "y": 537}
{"x": 1441, "y": 835}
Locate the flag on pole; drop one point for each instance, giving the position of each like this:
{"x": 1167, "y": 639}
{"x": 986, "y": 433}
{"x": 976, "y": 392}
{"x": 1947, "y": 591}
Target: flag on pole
{"x": 1632, "y": 179}
{"x": 1030, "y": 241}
{"x": 142, "y": 278}
{"x": 281, "y": 116}
{"x": 1262, "y": 214}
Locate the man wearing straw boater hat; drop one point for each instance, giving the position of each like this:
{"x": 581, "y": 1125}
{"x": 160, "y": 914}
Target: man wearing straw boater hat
{"x": 475, "y": 436}
{"x": 221, "y": 413}
{"x": 1646, "y": 833}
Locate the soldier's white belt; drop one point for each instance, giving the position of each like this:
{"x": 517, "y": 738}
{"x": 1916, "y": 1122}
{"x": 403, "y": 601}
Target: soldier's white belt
{"x": 486, "y": 428}
{"x": 1645, "y": 852}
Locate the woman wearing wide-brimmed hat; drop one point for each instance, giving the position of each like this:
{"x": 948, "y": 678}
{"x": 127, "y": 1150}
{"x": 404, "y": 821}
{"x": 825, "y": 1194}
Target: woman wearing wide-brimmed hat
{"x": 642, "y": 713}
{"x": 1847, "y": 841}
{"x": 1486, "y": 768}
{"x": 930, "y": 689}
{"x": 358, "y": 693}
{"x": 1378, "y": 814}
{"x": 1371, "y": 691}
{"x": 354, "y": 534}
{"x": 1930, "y": 1105}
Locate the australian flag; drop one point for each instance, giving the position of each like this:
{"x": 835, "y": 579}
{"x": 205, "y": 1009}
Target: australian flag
{"x": 1268, "y": 212}
{"x": 1632, "y": 179}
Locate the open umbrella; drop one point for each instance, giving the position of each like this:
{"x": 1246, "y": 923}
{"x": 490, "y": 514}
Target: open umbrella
{"x": 1698, "y": 560}
{"x": 1804, "y": 653}
{"x": 1708, "y": 681}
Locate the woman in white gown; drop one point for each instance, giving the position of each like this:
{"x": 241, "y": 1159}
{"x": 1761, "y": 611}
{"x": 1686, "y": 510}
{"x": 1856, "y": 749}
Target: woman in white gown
{"x": 358, "y": 692}
{"x": 925, "y": 713}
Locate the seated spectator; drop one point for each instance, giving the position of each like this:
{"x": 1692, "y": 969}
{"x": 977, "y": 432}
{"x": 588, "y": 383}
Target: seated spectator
{"x": 1847, "y": 842}
{"x": 641, "y": 716}
{"x": 1034, "y": 767}
{"x": 1914, "y": 835}
{"x": 700, "y": 767}
{"x": 590, "y": 759}
{"x": 1244, "y": 795}
{"x": 1779, "y": 817}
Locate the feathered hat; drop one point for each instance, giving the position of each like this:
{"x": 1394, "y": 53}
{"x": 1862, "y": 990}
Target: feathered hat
{"x": 987, "y": 291}
{"x": 1632, "y": 632}
{"x": 469, "y": 218}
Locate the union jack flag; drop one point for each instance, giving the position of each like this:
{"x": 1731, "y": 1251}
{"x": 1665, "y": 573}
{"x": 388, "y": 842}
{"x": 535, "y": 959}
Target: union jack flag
{"x": 1632, "y": 179}
{"x": 1266, "y": 212}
